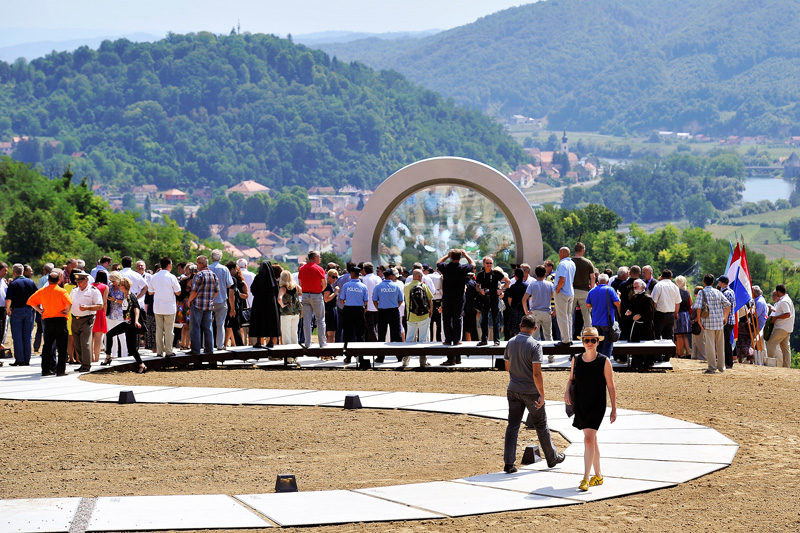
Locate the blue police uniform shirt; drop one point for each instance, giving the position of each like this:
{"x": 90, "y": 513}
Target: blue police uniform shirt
{"x": 387, "y": 294}
{"x": 354, "y": 293}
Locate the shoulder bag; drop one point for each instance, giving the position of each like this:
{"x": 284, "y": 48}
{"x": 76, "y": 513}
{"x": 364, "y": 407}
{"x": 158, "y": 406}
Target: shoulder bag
{"x": 704, "y": 310}
{"x": 615, "y": 329}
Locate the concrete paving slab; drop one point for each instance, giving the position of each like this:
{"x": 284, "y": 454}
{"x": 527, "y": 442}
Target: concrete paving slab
{"x": 404, "y": 400}
{"x": 329, "y": 507}
{"x": 470, "y": 404}
{"x": 462, "y": 499}
{"x": 561, "y": 485}
{"x": 321, "y": 398}
{"x": 246, "y": 396}
{"x": 662, "y": 436}
{"x": 150, "y": 513}
{"x": 665, "y": 471}
{"x": 697, "y": 453}
{"x": 40, "y": 515}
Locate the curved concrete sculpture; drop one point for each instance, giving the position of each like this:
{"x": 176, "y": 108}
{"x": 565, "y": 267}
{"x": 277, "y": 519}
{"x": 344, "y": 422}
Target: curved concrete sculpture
{"x": 445, "y": 171}
{"x": 641, "y": 452}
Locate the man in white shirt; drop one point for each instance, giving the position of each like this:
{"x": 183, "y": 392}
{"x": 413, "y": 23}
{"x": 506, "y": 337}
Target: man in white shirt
{"x": 138, "y": 284}
{"x": 371, "y": 280}
{"x": 248, "y": 280}
{"x": 164, "y": 287}
{"x": 783, "y": 317}
{"x": 86, "y": 302}
{"x": 436, "y": 318}
{"x": 667, "y": 299}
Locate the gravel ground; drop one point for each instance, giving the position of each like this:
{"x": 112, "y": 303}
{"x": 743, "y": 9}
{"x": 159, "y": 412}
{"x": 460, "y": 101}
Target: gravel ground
{"x": 86, "y": 449}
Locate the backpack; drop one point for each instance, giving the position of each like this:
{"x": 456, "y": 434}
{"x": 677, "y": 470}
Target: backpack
{"x": 418, "y": 301}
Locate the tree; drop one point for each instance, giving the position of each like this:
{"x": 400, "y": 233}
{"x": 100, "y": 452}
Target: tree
{"x": 128, "y": 202}
{"x": 244, "y": 239}
{"x": 147, "y": 209}
{"x": 794, "y": 228}
{"x": 698, "y": 210}
{"x": 178, "y": 214}
{"x": 29, "y": 234}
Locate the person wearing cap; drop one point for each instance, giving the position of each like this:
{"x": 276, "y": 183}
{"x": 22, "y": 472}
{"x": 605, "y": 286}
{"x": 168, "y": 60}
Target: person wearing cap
{"x": 53, "y": 302}
{"x": 716, "y": 308}
{"x": 591, "y": 374}
{"x": 523, "y": 360}
{"x": 353, "y": 296}
{"x": 86, "y": 301}
{"x": 727, "y": 330}
{"x": 387, "y": 297}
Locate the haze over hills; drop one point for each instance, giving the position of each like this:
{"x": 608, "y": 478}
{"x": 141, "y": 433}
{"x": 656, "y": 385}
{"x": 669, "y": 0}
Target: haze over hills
{"x": 203, "y": 110}
{"x": 615, "y": 66}
{"x": 32, "y": 49}
{"x": 329, "y": 37}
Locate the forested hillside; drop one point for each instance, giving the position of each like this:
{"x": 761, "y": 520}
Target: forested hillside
{"x": 616, "y": 66}
{"x": 49, "y": 220}
{"x": 199, "y": 109}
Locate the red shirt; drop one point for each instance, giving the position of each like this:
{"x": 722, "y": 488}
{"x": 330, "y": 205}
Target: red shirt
{"x": 311, "y": 276}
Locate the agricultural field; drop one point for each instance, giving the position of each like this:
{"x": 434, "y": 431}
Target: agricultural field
{"x": 772, "y": 242}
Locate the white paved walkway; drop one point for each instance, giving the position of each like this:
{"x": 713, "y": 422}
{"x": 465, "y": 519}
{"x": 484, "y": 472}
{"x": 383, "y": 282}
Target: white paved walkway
{"x": 641, "y": 452}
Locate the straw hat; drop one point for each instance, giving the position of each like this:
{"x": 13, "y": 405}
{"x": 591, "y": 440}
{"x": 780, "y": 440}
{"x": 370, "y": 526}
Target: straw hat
{"x": 590, "y": 332}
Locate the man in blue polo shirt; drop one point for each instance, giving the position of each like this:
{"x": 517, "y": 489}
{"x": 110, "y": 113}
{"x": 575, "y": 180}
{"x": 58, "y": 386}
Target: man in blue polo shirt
{"x": 565, "y": 294}
{"x": 353, "y": 296}
{"x": 387, "y": 296}
{"x": 601, "y": 301}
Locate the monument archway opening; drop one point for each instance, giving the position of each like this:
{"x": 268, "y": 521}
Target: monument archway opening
{"x": 440, "y": 182}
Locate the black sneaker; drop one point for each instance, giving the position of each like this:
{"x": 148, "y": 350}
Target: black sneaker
{"x": 509, "y": 469}
{"x": 497, "y": 343}
{"x": 483, "y": 343}
{"x": 559, "y": 459}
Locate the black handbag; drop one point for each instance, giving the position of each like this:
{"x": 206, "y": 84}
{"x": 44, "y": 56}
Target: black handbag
{"x": 570, "y": 408}
{"x": 243, "y": 312}
{"x": 616, "y": 332}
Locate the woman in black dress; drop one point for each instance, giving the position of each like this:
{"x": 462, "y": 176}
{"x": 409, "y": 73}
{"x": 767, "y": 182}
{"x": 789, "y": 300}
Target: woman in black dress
{"x": 592, "y": 375}
{"x": 265, "y": 321}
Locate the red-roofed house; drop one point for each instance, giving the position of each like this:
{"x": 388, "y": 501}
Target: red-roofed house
{"x": 174, "y": 196}
{"x": 248, "y": 188}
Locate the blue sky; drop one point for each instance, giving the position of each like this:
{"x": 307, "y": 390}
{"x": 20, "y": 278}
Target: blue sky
{"x": 101, "y": 17}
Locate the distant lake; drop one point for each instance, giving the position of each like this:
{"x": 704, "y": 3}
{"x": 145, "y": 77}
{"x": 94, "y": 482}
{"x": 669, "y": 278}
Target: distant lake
{"x": 757, "y": 189}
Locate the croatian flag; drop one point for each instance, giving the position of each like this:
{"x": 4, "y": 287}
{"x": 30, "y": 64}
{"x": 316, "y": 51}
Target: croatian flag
{"x": 739, "y": 281}
{"x": 739, "y": 276}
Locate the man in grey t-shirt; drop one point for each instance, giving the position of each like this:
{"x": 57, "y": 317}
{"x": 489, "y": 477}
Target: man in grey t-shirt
{"x": 523, "y": 357}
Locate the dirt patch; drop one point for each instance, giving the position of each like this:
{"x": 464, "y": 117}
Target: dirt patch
{"x": 86, "y": 449}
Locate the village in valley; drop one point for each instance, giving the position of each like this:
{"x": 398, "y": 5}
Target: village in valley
{"x": 332, "y": 219}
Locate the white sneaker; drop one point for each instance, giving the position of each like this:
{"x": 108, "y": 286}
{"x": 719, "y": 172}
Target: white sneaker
{"x": 551, "y": 358}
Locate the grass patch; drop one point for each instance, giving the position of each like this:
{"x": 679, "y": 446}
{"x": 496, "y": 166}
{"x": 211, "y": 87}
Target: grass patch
{"x": 781, "y": 216}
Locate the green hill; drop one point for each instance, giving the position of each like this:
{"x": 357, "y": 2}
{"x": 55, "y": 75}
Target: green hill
{"x": 203, "y": 110}
{"x": 616, "y": 66}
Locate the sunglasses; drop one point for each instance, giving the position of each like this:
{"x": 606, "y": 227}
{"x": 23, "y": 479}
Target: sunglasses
{"x": 591, "y": 340}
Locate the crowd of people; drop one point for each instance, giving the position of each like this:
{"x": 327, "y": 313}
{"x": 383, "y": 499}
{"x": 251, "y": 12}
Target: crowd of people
{"x": 206, "y": 305}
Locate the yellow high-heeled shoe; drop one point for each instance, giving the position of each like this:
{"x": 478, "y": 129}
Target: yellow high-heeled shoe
{"x": 595, "y": 481}
{"x": 584, "y": 486}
